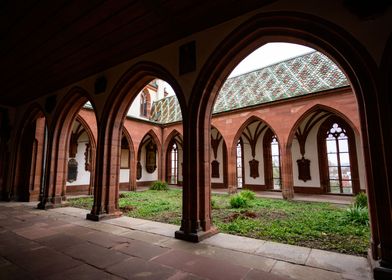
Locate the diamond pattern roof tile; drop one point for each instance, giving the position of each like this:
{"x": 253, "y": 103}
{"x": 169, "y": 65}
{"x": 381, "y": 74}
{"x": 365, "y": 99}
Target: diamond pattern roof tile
{"x": 302, "y": 75}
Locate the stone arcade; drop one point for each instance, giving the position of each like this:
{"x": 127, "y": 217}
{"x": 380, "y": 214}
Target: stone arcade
{"x": 59, "y": 57}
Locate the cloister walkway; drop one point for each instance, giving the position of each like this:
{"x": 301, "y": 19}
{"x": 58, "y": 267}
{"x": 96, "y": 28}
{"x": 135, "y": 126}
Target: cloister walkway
{"x": 61, "y": 244}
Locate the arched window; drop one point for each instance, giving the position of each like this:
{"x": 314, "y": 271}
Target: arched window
{"x": 143, "y": 104}
{"x": 239, "y": 164}
{"x": 276, "y": 178}
{"x": 174, "y": 164}
{"x": 337, "y": 157}
{"x": 271, "y": 161}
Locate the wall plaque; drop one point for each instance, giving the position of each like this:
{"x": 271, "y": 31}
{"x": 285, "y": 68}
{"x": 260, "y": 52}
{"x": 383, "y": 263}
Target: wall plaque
{"x": 151, "y": 158}
{"x": 254, "y": 168}
{"x": 303, "y": 169}
{"x": 72, "y": 170}
{"x": 215, "y": 169}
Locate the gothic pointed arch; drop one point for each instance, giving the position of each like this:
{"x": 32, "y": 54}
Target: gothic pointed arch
{"x": 173, "y": 151}
{"x": 335, "y": 42}
{"x": 338, "y": 162}
{"x": 316, "y": 110}
{"x": 151, "y": 148}
{"x": 131, "y": 185}
{"x": 29, "y": 155}
{"x": 115, "y": 109}
{"x": 64, "y": 115}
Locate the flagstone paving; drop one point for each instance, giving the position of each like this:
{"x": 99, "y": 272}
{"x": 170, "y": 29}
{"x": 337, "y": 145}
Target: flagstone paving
{"x": 61, "y": 244}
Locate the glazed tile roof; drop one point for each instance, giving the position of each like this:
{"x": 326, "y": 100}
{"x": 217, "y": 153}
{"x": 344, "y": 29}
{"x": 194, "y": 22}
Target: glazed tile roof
{"x": 166, "y": 110}
{"x": 302, "y": 75}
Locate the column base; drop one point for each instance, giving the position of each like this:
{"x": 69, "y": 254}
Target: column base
{"x": 382, "y": 273}
{"x": 54, "y": 202}
{"x": 100, "y": 217}
{"x": 195, "y": 237}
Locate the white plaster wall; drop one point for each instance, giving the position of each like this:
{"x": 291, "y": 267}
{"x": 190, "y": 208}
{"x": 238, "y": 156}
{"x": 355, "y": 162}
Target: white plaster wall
{"x": 361, "y": 163}
{"x": 124, "y": 175}
{"x": 219, "y": 158}
{"x": 258, "y": 156}
{"x": 83, "y": 177}
{"x": 311, "y": 153}
{"x": 134, "y": 109}
{"x": 162, "y": 87}
{"x": 147, "y": 177}
{"x": 180, "y": 161}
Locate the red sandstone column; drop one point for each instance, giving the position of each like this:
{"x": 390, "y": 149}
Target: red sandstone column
{"x": 40, "y": 137}
{"x": 132, "y": 174}
{"x": 106, "y": 183}
{"x": 196, "y": 216}
{"x": 286, "y": 171}
{"x": 231, "y": 170}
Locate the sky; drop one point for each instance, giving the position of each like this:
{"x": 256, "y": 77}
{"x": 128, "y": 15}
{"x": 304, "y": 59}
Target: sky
{"x": 269, "y": 54}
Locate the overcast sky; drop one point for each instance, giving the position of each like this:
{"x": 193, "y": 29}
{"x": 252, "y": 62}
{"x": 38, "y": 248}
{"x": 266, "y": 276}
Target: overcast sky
{"x": 269, "y": 54}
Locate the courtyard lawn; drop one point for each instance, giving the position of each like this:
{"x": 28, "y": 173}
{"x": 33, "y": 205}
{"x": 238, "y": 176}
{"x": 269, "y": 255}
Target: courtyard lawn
{"x": 310, "y": 224}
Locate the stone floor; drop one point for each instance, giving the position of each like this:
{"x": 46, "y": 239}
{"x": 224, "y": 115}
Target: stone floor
{"x": 62, "y": 244}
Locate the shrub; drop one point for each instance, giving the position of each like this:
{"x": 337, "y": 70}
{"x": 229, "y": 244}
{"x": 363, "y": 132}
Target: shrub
{"x": 213, "y": 203}
{"x": 159, "y": 186}
{"x": 122, "y": 195}
{"x": 357, "y": 215}
{"x": 361, "y": 200}
{"x": 248, "y": 194}
{"x": 238, "y": 201}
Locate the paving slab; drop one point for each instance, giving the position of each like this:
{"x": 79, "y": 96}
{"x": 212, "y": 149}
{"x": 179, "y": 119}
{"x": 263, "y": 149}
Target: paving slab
{"x": 233, "y": 242}
{"x": 145, "y": 236}
{"x": 35, "y": 232}
{"x": 279, "y": 251}
{"x": 303, "y": 272}
{"x": 95, "y": 255}
{"x": 157, "y": 228}
{"x": 255, "y": 274}
{"x": 141, "y": 249}
{"x": 60, "y": 242}
{"x": 11, "y": 243}
{"x": 126, "y": 222}
{"x": 181, "y": 275}
{"x": 73, "y": 230}
{"x": 42, "y": 261}
{"x": 72, "y": 211}
{"x": 82, "y": 272}
{"x": 338, "y": 262}
{"x": 202, "y": 266}
{"x": 102, "y": 227}
{"x": 236, "y": 257}
{"x": 12, "y": 223}
{"x": 13, "y": 272}
{"x": 140, "y": 269}
{"x": 104, "y": 239}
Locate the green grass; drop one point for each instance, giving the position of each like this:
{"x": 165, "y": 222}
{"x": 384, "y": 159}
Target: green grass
{"x": 310, "y": 224}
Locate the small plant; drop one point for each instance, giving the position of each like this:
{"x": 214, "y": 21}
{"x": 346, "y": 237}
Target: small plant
{"x": 213, "y": 203}
{"x": 159, "y": 186}
{"x": 361, "y": 200}
{"x": 248, "y": 194}
{"x": 238, "y": 201}
{"x": 357, "y": 215}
